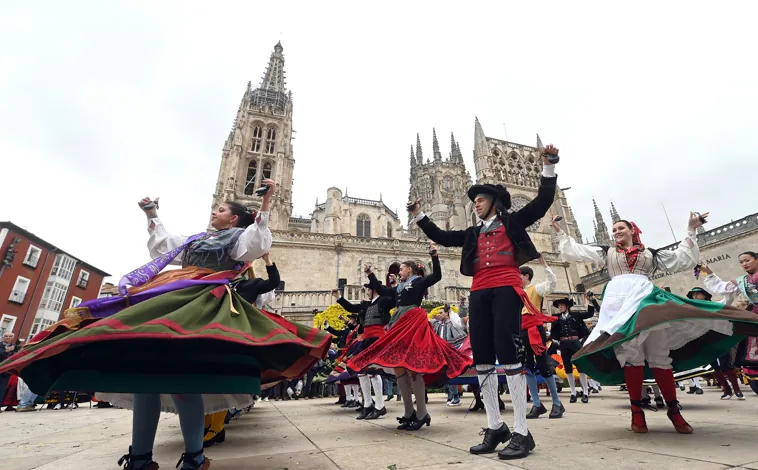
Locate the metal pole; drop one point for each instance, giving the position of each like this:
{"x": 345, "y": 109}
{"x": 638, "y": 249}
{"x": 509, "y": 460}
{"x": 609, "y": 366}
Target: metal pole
{"x": 669, "y": 222}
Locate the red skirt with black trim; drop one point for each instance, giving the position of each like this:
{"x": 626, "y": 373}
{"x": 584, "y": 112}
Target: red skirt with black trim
{"x": 411, "y": 344}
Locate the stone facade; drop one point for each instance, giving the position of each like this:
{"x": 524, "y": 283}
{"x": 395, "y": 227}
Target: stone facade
{"x": 719, "y": 248}
{"x": 327, "y": 249}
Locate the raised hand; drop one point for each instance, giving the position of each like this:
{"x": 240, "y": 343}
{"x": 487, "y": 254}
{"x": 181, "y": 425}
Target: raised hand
{"x": 149, "y": 206}
{"x": 267, "y": 258}
{"x": 335, "y": 293}
{"x": 697, "y": 220}
{"x": 549, "y": 150}
{"x": 367, "y": 269}
{"x": 556, "y": 225}
{"x": 433, "y": 249}
{"x": 414, "y": 207}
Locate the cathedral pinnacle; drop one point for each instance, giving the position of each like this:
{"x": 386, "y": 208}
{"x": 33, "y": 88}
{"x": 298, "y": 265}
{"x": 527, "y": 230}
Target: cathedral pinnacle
{"x": 601, "y": 232}
{"x": 436, "y": 146}
{"x": 419, "y": 152}
{"x": 615, "y": 217}
{"x": 413, "y": 158}
{"x": 539, "y": 143}
{"x": 273, "y": 79}
{"x": 576, "y": 225}
{"x": 480, "y": 141}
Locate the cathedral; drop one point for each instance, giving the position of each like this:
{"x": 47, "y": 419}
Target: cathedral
{"x": 327, "y": 250}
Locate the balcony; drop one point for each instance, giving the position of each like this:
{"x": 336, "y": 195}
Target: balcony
{"x": 17, "y": 296}
{"x": 82, "y": 283}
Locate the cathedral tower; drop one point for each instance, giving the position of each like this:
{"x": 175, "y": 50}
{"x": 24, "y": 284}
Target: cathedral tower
{"x": 440, "y": 184}
{"x": 259, "y": 145}
{"x": 602, "y": 235}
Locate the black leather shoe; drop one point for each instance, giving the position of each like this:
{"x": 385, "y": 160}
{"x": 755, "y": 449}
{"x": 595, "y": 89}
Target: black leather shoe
{"x": 518, "y": 448}
{"x": 585, "y": 398}
{"x": 366, "y": 412}
{"x": 377, "y": 413}
{"x": 417, "y": 424}
{"x": 536, "y": 412}
{"x": 691, "y": 391}
{"x": 389, "y": 397}
{"x": 347, "y": 404}
{"x": 492, "y": 438}
{"x": 405, "y": 422}
{"x": 557, "y": 411}
{"x": 572, "y": 399}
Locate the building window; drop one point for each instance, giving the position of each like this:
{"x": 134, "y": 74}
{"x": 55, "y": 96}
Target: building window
{"x": 18, "y": 293}
{"x": 257, "y": 138}
{"x": 75, "y": 301}
{"x": 32, "y": 256}
{"x": 252, "y": 172}
{"x": 389, "y": 230}
{"x": 363, "y": 228}
{"x": 63, "y": 267}
{"x": 7, "y": 322}
{"x": 266, "y": 174}
{"x": 270, "y": 138}
{"x": 39, "y": 325}
{"x": 83, "y": 279}
{"x": 52, "y": 298}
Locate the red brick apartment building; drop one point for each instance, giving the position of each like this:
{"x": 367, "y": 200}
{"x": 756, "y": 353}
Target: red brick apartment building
{"x": 39, "y": 281}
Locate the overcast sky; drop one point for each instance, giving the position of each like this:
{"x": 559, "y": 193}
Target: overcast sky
{"x": 102, "y": 103}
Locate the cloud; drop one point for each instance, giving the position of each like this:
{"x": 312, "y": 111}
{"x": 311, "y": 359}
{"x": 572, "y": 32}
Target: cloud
{"x": 106, "y": 103}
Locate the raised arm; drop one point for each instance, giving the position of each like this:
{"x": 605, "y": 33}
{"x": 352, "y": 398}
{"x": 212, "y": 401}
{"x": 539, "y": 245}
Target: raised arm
{"x": 573, "y": 251}
{"x": 436, "y": 234}
{"x": 536, "y": 209}
{"x": 349, "y": 306}
{"x": 687, "y": 254}
{"x": 273, "y": 276}
{"x": 547, "y": 286}
{"x": 436, "y": 275}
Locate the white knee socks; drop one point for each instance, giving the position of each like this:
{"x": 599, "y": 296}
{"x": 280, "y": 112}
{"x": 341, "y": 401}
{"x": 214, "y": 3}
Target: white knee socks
{"x": 376, "y": 382}
{"x": 488, "y": 388}
{"x": 583, "y": 380}
{"x": 517, "y": 387}
{"x": 366, "y": 389}
{"x": 572, "y": 382}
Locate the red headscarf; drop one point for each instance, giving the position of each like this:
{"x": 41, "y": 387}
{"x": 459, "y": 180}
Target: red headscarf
{"x": 633, "y": 252}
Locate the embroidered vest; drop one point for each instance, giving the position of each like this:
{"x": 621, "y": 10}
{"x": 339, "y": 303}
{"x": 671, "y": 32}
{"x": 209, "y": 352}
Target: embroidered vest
{"x": 617, "y": 265}
{"x": 213, "y": 251}
{"x": 373, "y": 315}
{"x": 494, "y": 249}
{"x": 748, "y": 290}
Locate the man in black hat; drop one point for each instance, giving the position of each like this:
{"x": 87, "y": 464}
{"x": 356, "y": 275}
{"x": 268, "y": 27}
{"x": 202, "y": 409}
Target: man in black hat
{"x": 492, "y": 253}
{"x": 698, "y": 293}
{"x": 569, "y": 332}
{"x": 373, "y": 315}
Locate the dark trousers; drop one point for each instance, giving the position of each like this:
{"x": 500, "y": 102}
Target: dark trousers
{"x": 495, "y": 326}
{"x": 568, "y": 349}
{"x": 308, "y": 389}
{"x": 532, "y": 362}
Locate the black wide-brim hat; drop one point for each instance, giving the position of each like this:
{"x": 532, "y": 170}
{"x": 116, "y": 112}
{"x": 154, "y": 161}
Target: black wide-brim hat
{"x": 568, "y": 302}
{"x": 498, "y": 192}
{"x": 708, "y": 295}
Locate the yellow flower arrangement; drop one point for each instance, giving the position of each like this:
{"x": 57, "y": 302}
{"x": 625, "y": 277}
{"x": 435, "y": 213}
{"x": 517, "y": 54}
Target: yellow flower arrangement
{"x": 435, "y": 311}
{"x": 332, "y": 315}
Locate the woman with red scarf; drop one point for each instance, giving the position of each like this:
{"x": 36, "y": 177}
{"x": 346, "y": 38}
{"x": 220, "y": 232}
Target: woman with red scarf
{"x": 644, "y": 330}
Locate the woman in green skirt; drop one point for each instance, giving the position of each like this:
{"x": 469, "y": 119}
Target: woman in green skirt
{"x": 644, "y": 330}
{"x": 182, "y": 340}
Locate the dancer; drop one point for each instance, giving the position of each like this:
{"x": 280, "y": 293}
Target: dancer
{"x": 539, "y": 361}
{"x": 569, "y": 331}
{"x": 373, "y": 315}
{"x": 747, "y": 285}
{"x": 641, "y": 325}
{"x": 492, "y": 253}
{"x": 166, "y": 325}
{"x": 410, "y": 346}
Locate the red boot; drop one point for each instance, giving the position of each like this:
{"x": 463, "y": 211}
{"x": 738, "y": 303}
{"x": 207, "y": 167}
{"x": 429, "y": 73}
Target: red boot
{"x": 634, "y": 376}
{"x": 675, "y": 416}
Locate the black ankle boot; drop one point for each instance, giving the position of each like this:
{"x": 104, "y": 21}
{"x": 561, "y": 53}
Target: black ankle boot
{"x": 518, "y": 448}
{"x": 366, "y": 412}
{"x": 417, "y": 424}
{"x": 492, "y": 438}
{"x": 127, "y": 459}
{"x": 405, "y": 422}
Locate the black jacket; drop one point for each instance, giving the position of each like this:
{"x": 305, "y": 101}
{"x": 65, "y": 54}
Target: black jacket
{"x": 412, "y": 294}
{"x": 340, "y": 336}
{"x": 250, "y": 289}
{"x": 574, "y": 323}
{"x": 386, "y": 303}
{"x": 515, "y": 224}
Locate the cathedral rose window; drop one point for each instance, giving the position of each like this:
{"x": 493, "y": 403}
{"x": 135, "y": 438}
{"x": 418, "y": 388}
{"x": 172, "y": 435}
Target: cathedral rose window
{"x": 517, "y": 202}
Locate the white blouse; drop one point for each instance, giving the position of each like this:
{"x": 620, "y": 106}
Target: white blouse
{"x": 684, "y": 257}
{"x": 253, "y": 243}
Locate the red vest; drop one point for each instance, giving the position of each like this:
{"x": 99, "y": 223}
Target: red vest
{"x": 494, "y": 265}
{"x": 494, "y": 249}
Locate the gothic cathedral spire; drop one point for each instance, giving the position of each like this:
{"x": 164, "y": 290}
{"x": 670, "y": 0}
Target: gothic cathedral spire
{"x": 615, "y": 217}
{"x": 436, "y": 146}
{"x": 601, "y": 232}
{"x": 419, "y": 152}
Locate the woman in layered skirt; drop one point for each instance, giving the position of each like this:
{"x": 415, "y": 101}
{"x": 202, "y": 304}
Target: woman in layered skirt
{"x": 644, "y": 330}
{"x": 411, "y": 348}
{"x": 181, "y": 341}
